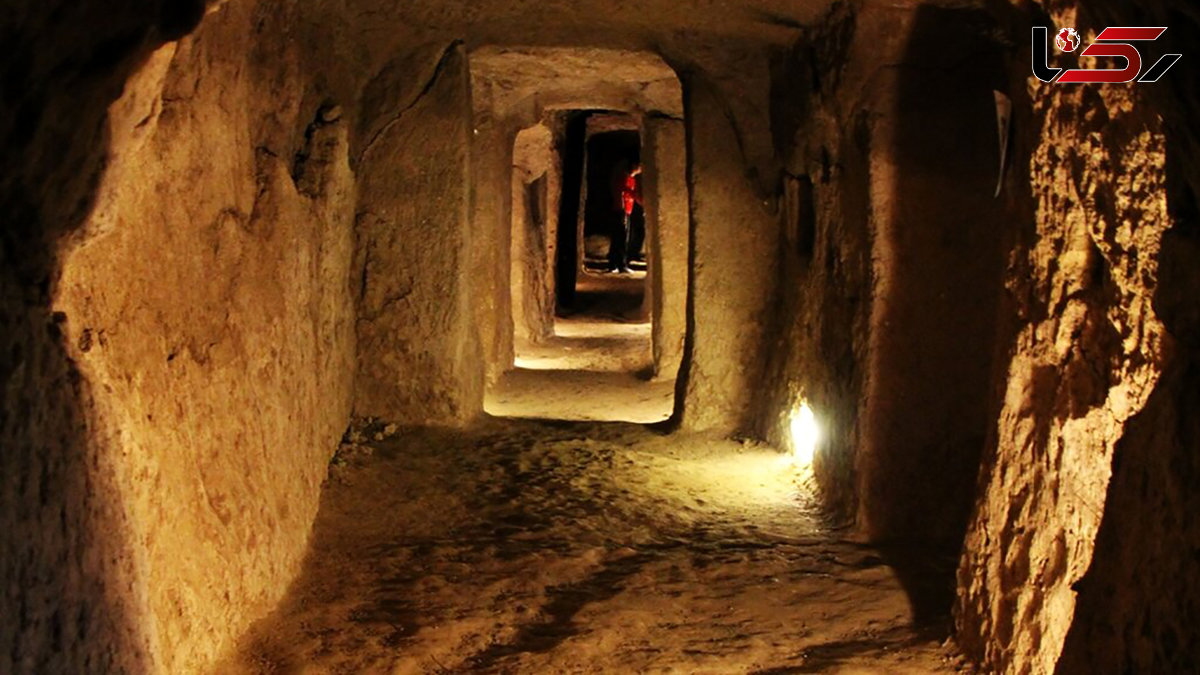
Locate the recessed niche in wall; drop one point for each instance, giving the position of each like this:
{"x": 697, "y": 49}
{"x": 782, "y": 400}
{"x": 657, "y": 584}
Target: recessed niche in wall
{"x": 800, "y": 212}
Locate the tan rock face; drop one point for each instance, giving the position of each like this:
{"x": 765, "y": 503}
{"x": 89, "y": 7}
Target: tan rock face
{"x": 207, "y": 302}
{"x": 892, "y": 263}
{"x": 69, "y": 588}
{"x": 1088, "y": 355}
{"x": 574, "y": 78}
{"x": 819, "y": 352}
{"x": 1088, "y": 373}
{"x": 1136, "y": 602}
{"x": 536, "y": 186}
{"x": 666, "y": 201}
{"x": 733, "y": 237}
{"x": 216, "y": 250}
{"x": 415, "y": 336}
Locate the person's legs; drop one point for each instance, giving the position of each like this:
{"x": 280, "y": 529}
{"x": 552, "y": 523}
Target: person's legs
{"x": 616, "y": 248}
{"x": 637, "y": 234}
{"x": 628, "y": 227}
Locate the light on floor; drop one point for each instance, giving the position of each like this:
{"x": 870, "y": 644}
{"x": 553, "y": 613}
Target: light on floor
{"x": 805, "y": 434}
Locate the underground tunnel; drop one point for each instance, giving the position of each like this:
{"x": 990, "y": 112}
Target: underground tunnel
{"x": 780, "y": 336}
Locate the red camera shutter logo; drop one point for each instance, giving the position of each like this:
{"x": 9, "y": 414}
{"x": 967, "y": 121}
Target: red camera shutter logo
{"x": 1113, "y": 42}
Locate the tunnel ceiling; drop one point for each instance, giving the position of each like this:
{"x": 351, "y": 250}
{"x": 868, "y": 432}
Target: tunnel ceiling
{"x": 618, "y": 22}
{"x": 511, "y": 79}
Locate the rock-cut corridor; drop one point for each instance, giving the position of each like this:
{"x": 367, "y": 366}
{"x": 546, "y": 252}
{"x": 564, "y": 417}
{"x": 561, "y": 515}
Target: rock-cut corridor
{"x": 598, "y": 336}
{"x": 528, "y": 547}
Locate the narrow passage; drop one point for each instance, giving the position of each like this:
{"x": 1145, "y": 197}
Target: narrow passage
{"x": 597, "y": 366}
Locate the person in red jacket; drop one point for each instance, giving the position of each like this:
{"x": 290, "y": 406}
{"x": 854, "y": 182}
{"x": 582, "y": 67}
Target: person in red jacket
{"x": 629, "y": 198}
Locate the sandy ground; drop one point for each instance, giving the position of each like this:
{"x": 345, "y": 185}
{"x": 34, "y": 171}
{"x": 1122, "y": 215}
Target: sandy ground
{"x": 596, "y": 367}
{"x": 580, "y": 395}
{"x": 590, "y": 345}
{"x": 537, "y": 547}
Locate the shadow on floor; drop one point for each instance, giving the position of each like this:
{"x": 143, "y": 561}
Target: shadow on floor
{"x": 927, "y": 572}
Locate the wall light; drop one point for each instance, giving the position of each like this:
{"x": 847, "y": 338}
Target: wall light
{"x": 805, "y": 434}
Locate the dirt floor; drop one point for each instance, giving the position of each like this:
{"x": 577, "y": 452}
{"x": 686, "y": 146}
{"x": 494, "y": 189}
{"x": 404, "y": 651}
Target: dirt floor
{"x": 538, "y": 547}
{"x": 596, "y": 366}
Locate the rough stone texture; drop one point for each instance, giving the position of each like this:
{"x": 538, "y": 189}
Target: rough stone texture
{"x": 419, "y": 357}
{"x": 578, "y": 78}
{"x": 891, "y": 273}
{"x": 535, "y": 191}
{"x": 68, "y": 581}
{"x": 1087, "y": 360}
{"x": 1138, "y": 602}
{"x": 937, "y": 261}
{"x": 1082, "y": 388}
{"x": 166, "y": 429}
{"x": 664, "y": 153}
{"x": 176, "y": 370}
{"x": 221, "y": 336}
{"x": 819, "y": 354}
{"x": 733, "y": 237}
{"x": 637, "y": 24}
{"x": 490, "y": 241}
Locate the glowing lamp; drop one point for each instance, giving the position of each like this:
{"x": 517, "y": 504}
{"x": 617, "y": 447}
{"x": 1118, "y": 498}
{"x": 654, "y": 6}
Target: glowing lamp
{"x": 805, "y": 434}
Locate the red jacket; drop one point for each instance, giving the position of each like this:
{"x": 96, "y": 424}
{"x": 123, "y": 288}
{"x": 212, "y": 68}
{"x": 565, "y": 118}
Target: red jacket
{"x": 631, "y": 193}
